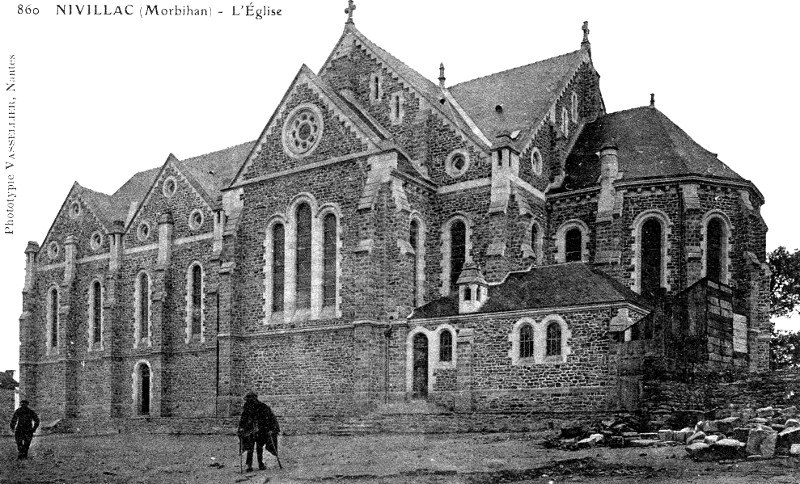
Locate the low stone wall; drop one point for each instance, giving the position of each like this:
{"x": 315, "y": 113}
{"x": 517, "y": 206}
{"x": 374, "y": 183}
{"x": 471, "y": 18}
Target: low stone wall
{"x": 6, "y": 410}
{"x": 714, "y": 395}
{"x": 447, "y": 422}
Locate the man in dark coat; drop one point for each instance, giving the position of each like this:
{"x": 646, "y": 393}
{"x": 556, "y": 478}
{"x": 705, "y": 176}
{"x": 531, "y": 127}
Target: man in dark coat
{"x": 258, "y": 426}
{"x": 24, "y": 423}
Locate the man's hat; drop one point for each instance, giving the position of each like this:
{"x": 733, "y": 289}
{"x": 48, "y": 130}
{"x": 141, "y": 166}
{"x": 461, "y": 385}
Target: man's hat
{"x": 23, "y": 402}
{"x": 251, "y": 395}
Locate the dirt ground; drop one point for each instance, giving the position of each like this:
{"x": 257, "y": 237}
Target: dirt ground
{"x": 410, "y": 458}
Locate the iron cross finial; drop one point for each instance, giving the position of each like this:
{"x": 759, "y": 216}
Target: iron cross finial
{"x": 585, "y": 29}
{"x": 349, "y": 11}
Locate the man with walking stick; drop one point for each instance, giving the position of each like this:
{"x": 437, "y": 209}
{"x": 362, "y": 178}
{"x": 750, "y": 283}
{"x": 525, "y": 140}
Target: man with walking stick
{"x": 257, "y": 426}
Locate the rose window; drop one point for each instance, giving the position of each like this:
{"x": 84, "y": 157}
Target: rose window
{"x": 303, "y": 130}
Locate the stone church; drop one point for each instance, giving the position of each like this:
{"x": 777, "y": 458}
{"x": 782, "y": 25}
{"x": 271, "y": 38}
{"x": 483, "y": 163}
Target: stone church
{"x": 499, "y": 246}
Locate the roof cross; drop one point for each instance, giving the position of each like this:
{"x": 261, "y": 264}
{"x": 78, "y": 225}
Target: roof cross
{"x": 349, "y": 11}
{"x": 585, "y": 29}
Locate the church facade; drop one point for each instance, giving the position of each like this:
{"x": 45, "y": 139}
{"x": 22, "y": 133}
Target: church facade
{"x": 499, "y": 245}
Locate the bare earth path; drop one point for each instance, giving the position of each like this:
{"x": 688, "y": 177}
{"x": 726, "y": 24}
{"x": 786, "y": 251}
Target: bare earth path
{"x": 410, "y": 458}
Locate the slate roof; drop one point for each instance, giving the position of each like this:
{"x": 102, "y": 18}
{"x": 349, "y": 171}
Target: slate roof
{"x": 215, "y": 171}
{"x": 99, "y": 203}
{"x": 132, "y": 190}
{"x": 650, "y": 145}
{"x": 7, "y": 381}
{"x": 552, "y": 286}
{"x": 525, "y": 93}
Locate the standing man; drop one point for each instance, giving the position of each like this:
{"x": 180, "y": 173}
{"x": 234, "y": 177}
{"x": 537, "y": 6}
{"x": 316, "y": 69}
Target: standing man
{"x": 24, "y": 423}
{"x": 258, "y": 426}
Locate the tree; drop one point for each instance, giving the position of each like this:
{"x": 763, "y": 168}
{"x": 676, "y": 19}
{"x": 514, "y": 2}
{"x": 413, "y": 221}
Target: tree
{"x": 784, "y": 287}
{"x": 784, "y": 300}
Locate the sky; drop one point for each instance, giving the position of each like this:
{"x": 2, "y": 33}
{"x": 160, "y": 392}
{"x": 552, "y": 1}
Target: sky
{"x": 99, "y": 98}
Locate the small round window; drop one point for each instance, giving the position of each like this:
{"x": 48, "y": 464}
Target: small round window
{"x": 170, "y": 186}
{"x": 143, "y": 232}
{"x": 53, "y": 249}
{"x": 457, "y": 163}
{"x": 96, "y": 241}
{"x": 75, "y": 209}
{"x": 195, "y": 219}
{"x": 302, "y": 131}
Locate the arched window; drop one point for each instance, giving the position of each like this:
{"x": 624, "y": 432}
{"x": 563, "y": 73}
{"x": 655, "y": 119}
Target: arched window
{"x": 573, "y": 245}
{"x": 96, "y": 313}
{"x": 52, "y": 317}
{"x": 278, "y": 266}
{"x": 303, "y": 257}
{"x": 458, "y": 251}
{"x": 651, "y": 256}
{"x": 329, "y": 260}
{"x": 714, "y": 249}
{"x": 526, "y": 341}
{"x": 142, "y": 297}
{"x": 196, "y": 302}
{"x": 413, "y": 241}
{"x": 553, "y": 347}
{"x": 446, "y": 346}
{"x": 536, "y": 161}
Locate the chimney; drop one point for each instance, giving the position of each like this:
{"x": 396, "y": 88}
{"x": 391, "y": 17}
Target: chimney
{"x": 473, "y": 291}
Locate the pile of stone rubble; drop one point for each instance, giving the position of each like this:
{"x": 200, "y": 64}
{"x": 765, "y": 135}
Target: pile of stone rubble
{"x": 752, "y": 434}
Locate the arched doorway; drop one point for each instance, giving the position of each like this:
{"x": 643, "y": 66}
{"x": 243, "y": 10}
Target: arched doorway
{"x": 420, "y": 366}
{"x": 142, "y": 378}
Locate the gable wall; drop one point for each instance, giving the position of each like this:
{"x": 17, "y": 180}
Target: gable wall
{"x": 586, "y": 85}
{"x": 422, "y": 133}
{"x": 337, "y": 139}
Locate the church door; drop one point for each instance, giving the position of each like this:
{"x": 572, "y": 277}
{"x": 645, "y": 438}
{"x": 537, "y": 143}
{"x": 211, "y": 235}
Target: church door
{"x": 420, "y": 370}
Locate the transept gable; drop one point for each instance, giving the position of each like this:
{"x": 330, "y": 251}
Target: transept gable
{"x": 312, "y": 124}
{"x": 434, "y": 99}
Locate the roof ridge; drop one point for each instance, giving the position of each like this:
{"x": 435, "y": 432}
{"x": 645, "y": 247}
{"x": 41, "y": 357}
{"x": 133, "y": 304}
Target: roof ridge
{"x": 216, "y": 151}
{"x": 515, "y": 68}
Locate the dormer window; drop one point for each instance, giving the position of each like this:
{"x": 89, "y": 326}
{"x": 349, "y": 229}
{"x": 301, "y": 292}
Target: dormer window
{"x": 471, "y": 289}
